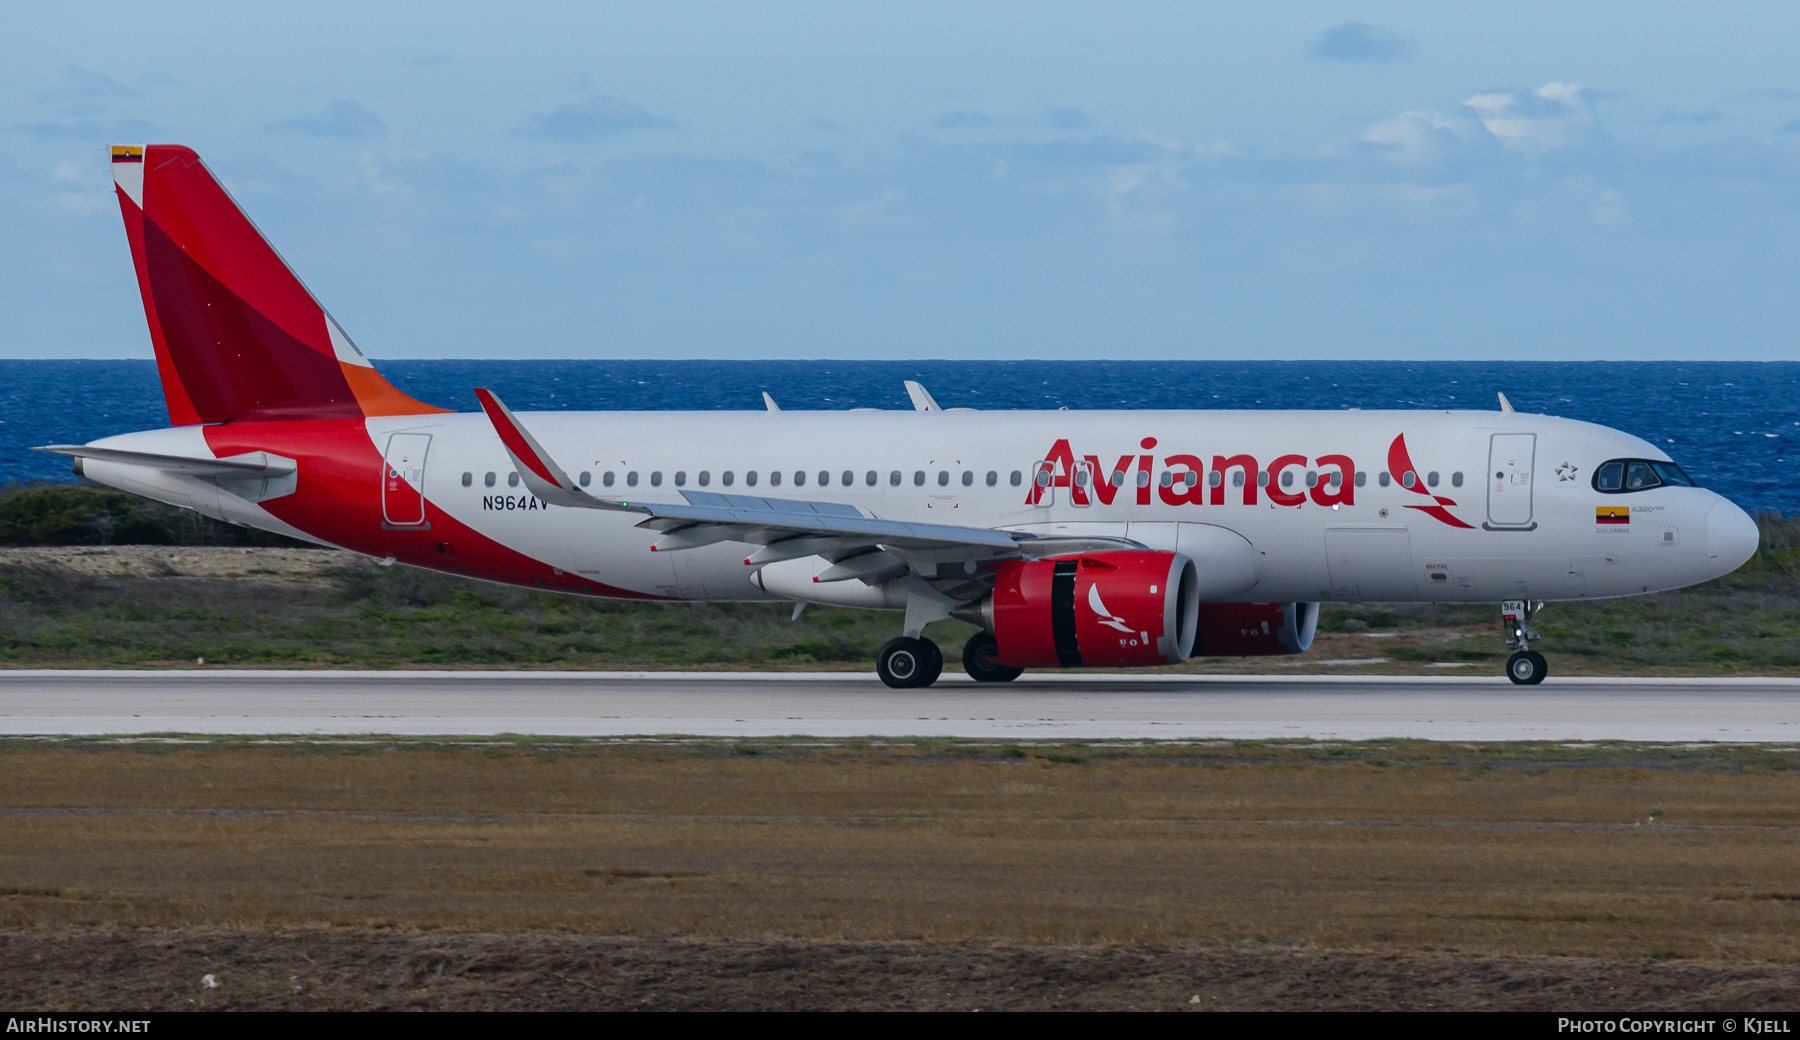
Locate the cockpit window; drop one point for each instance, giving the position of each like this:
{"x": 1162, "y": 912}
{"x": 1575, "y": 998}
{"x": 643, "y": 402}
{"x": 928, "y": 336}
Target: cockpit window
{"x": 1672, "y": 474}
{"x": 1622, "y": 476}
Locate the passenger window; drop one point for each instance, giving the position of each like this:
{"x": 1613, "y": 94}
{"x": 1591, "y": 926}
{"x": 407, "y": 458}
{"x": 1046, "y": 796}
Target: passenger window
{"x": 750, "y": 479}
{"x": 512, "y": 479}
{"x": 681, "y": 478}
{"x": 918, "y": 478}
{"x": 1190, "y": 478}
{"x": 1431, "y": 479}
{"x": 1237, "y": 478}
{"x": 586, "y": 478}
{"x": 894, "y": 479}
{"x": 1408, "y": 479}
{"x": 705, "y": 478}
{"x": 968, "y": 478}
{"x": 1215, "y": 478}
{"x": 468, "y": 480}
{"x": 799, "y": 478}
{"x": 631, "y": 479}
{"x": 825, "y": 478}
{"x": 774, "y": 478}
{"x": 1337, "y": 481}
{"x": 1312, "y": 478}
{"x": 1017, "y": 478}
{"x": 869, "y": 478}
{"x": 1456, "y": 479}
{"x": 1287, "y": 478}
{"x": 943, "y": 478}
{"x": 993, "y": 478}
{"x": 607, "y": 478}
{"x": 1639, "y": 476}
{"x": 1383, "y": 478}
{"x": 656, "y": 478}
{"x": 488, "y": 481}
{"x": 725, "y": 478}
{"x": 1362, "y": 477}
{"x": 1262, "y": 480}
{"x": 1168, "y": 478}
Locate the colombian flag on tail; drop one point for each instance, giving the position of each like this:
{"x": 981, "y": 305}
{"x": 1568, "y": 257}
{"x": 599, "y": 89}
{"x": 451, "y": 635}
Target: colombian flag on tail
{"x": 1612, "y": 514}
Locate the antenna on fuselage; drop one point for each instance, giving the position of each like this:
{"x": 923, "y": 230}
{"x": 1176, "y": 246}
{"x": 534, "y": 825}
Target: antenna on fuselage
{"x": 773, "y": 407}
{"x": 1505, "y": 405}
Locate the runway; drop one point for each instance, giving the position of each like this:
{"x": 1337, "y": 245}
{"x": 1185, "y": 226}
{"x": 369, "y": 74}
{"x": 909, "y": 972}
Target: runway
{"x": 1049, "y": 707}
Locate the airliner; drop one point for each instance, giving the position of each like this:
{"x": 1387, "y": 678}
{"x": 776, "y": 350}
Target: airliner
{"x": 1070, "y": 539}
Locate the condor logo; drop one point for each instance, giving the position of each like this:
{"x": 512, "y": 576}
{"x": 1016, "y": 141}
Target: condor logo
{"x": 1107, "y": 617}
{"x": 1400, "y": 464}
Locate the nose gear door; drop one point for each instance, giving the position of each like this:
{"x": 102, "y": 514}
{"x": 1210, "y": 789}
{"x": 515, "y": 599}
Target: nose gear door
{"x": 403, "y": 480}
{"x": 1509, "y": 479}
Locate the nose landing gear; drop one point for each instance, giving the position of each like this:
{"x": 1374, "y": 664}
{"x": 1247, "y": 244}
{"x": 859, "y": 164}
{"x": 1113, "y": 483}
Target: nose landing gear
{"x": 1526, "y": 666}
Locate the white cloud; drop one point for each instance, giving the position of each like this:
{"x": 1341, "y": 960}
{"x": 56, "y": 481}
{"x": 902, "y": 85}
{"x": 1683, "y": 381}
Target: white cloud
{"x": 1538, "y": 122}
{"x": 1609, "y": 210}
{"x": 1415, "y": 137}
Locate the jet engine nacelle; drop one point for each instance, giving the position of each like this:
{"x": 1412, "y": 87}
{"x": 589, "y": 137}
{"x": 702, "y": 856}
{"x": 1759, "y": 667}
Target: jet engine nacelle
{"x": 1255, "y": 629}
{"x": 1103, "y": 609}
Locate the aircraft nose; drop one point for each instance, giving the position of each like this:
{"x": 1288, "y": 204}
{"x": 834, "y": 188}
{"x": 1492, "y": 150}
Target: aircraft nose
{"x": 1731, "y": 538}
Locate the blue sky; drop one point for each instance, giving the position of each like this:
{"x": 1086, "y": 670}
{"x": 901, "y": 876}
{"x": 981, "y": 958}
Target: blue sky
{"x": 739, "y": 180}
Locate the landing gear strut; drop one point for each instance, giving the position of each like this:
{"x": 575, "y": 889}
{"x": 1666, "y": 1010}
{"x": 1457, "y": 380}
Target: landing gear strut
{"x": 1526, "y": 666}
{"x": 908, "y": 662}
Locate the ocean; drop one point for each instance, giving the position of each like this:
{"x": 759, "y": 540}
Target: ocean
{"x": 1729, "y": 424}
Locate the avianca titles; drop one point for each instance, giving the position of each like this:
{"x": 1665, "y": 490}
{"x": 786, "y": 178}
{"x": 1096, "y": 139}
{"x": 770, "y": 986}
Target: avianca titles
{"x": 1072, "y": 539}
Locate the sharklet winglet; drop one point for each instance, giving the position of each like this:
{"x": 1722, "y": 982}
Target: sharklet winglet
{"x": 541, "y": 474}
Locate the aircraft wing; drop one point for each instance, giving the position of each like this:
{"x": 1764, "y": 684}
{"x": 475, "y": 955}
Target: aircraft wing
{"x": 831, "y": 529}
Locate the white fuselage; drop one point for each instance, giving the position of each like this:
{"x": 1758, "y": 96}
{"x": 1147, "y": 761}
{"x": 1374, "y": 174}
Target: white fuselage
{"x": 1503, "y": 506}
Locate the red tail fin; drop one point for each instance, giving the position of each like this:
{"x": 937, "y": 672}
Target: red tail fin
{"x": 237, "y": 336}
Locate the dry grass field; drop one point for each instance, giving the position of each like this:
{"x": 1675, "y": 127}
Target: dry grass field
{"x": 388, "y": 873}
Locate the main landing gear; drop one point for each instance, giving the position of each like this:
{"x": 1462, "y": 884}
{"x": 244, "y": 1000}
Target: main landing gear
{"x": 908, "y": 663}
{"x": 978, "y": 660}
{"x": 1526, "y": 666}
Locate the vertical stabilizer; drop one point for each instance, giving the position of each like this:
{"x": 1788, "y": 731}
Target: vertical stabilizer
{"x": 237, "y": 335}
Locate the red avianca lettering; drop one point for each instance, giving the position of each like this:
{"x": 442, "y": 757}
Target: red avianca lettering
{"x": 1184, "y": 478}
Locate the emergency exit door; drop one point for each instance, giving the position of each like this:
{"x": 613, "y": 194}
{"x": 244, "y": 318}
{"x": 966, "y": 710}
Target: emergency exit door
{"x": 1509, "y": 479}
{"x": 403, "y": 480}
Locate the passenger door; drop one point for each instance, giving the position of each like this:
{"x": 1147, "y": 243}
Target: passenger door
{"x": 403, "y": 480}
{"x": 1509, "y": 479}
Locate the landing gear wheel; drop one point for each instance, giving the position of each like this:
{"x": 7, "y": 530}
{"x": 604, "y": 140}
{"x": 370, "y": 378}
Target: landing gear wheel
{"x": 978, "y": 660}
{"x": 907, "y": 663}
{"x": 1527, "y": 668}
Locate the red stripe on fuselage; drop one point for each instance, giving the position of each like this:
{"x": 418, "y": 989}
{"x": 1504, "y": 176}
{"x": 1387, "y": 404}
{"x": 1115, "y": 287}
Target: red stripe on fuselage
{"x": 339, "y": 500}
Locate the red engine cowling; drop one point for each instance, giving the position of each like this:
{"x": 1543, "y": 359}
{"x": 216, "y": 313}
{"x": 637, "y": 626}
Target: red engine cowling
{"x": 1255, "y": 629}
{"x": 1102, "y": 609}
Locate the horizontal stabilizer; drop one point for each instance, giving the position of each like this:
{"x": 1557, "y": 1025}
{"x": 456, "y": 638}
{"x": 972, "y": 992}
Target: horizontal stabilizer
{"x": 243, "y": 467}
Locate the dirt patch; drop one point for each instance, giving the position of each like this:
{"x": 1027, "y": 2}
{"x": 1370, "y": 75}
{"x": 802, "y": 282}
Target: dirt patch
{"x": 374, "y": 970}
{"x": 159, "y": 561}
